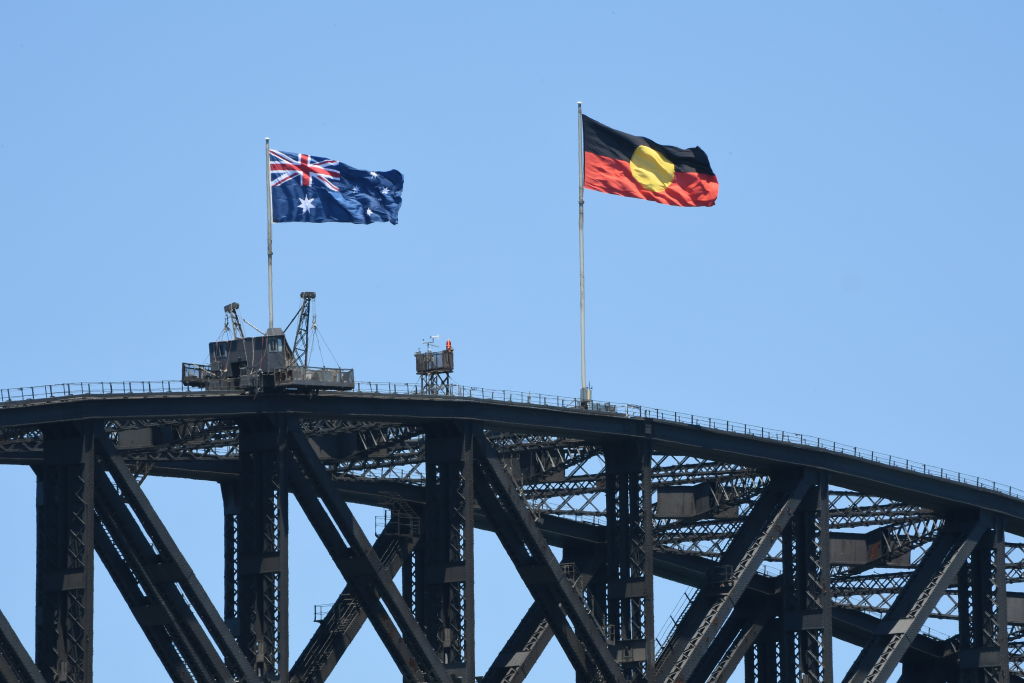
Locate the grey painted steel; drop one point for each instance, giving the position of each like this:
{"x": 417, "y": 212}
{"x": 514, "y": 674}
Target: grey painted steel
{"x": 629, "y": 568}
{"x": 524, "y": 647}
{"x": 934, "y": 574}
{"x": 540, "y": 571}
{"x": 732, "y": 642}
{"x": 981, "y": 595}
{"x": 148, "y": 585}
{"x": 359, "y": 563}
{"x": 65, "y": 515}
{"x": 342, "y": 622}
{"x": 174, "y": 562}
{"x": 444, "y": 566}
{"x": 722, "y": 590}
{"x": 843, "y": 470}
{"x": 16, "y": 665}
{"x": 806, "y": 618}
{"x": 261, "y": 545}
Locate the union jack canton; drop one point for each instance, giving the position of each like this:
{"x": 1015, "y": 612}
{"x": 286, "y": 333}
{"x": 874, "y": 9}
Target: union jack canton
{"x": 310, "y": 189}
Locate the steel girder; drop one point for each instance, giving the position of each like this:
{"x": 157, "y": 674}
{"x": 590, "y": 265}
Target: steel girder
{"x": 982, "y": 652}
{"x": 156, "y": 581}
{"x": 544, "y": 577}
{"x": 359, "y": 564}
{"x": 527, "y": 642}
{"x": 373, "y": 445}
{"x": 938, "y": 568}
{"x": 16, "y": 665}
{"x": 256, "y": 547}
{"x": 65, "y": 513}
{"x": 693, "y": 633}
{"x": 346, "y": 616}
{"x": 444, "y": 565}
{"x": 628, "y": 571}
{"x": 806, "y": 620}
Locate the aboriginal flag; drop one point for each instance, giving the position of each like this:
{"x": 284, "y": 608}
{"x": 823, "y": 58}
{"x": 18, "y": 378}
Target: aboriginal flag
{"x": 631, "y": 166}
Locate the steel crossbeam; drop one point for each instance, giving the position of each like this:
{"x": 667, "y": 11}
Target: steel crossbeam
{"x": 342, "y": 622}
{"x": 936, "y": 571}
{"x": 147, "y": 552}
{"x": 15, "y": 664}
{"x": 65, "y": 515}
{"x": 527, "y": 642}
{"x": 359, "y": 564}
{"x": 693, "y": 633}
{"x": 544, "y": 577}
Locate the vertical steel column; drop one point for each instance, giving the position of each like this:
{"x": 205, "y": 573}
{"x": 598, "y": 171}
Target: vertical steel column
{"x": 64, "y": 553}
{"x": 806, "y": 641}
{"x": 981, "y": 597}
{"x": 409, "y": 589}
{"x": 761, "y": 665}
{"x": 629, "y": 567}
{"x": 229, "y": 492}
{"x": 444, "y": 556}
{"x": 262, "y": 548}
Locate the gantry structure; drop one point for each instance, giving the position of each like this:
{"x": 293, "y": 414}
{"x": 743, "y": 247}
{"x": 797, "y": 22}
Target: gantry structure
{"x": 785, "y": 543}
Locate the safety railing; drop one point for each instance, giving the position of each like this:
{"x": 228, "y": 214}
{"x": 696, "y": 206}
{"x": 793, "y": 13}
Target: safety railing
{"x": 630, "y": 410}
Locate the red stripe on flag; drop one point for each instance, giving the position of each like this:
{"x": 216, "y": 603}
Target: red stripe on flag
{"x": 614, "y": 177}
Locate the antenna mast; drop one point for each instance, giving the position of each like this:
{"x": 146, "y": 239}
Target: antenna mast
{"x": 300, "y": 349}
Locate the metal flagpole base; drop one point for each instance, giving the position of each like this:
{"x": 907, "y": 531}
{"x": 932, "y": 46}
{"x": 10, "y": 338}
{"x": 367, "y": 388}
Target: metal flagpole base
{"x": 585, "y": 397}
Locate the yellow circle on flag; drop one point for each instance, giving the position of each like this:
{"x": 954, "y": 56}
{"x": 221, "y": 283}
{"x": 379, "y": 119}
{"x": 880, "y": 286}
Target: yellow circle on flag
{"x": 651, "y": 169}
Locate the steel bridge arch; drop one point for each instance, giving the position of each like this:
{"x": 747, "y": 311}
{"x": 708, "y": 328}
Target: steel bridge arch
{"x": 786, "y": 543}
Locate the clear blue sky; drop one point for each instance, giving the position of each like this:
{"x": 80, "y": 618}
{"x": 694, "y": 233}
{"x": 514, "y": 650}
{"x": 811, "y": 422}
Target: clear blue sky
{"x": 859, "y": 279}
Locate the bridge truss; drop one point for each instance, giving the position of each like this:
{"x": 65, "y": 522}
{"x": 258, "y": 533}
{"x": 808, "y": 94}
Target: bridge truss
{"x": 782, "y": 547}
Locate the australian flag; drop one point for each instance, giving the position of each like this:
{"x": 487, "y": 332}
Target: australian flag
{"x": 310, "y": 189}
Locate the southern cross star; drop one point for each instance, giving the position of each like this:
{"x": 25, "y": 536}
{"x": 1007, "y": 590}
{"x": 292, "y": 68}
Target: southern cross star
{"x": 373, "y": 174}
{"x": 369, "y": 212}
{"x": 385, "y": 191}
{"x": 306, "y": 204}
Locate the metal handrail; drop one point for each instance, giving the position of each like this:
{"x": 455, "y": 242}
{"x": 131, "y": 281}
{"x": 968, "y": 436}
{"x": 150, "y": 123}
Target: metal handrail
{"x": 143, "y": 388}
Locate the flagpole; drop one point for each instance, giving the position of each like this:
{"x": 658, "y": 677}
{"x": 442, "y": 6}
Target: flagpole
{"x": 270, "y": 237}
{"x": 584, "y": 387}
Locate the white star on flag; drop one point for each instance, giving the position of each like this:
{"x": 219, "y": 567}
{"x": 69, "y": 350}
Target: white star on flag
{"x": 306, "y": 204}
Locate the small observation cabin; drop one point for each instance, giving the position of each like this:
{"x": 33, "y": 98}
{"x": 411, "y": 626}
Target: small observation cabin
{"x": 265, "y": 362}
{"x": 435, "y": 367}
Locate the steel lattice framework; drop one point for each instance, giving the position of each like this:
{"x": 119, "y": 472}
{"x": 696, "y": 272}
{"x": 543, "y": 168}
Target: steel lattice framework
{"x": 782, "y": 544}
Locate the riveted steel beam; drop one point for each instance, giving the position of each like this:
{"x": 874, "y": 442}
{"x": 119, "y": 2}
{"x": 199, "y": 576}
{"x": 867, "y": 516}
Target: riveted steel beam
{"x": 15, "y": 664}
{"x": 629, "y": 574}
{"x": 149, "y": 588}
{"x": 527, "y": 642}
{"x": 936, "y": 571}
{"x": 65, "y": 514}
{"x": 444, "y": 557}
{"x": 806, "y": 621}
{"x": 547, "y": 582}
{"x": 359, "y": 564}
{"x": 259, "y": 541}
{"x": 167, "y": 565}
{"x": 764, "y": 524}
{"x": 983, "y": 654}
{"x": 342, "y": 622}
